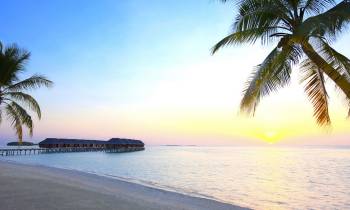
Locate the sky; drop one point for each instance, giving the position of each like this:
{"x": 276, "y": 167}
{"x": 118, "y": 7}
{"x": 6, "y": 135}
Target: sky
{"x": 143, "y": 69}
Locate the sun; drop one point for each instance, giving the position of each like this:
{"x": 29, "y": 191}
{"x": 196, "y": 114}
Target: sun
{"x": 271, "y": 137}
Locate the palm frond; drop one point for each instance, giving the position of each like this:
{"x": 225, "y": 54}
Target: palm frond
{"x": 261, "y": 14}
{"x": 12, "y": 62}
{"x": 25, "y": 99}
{"x": 317, "y": 6}
{"x": 271, "y": 75}
{"x": 316, "y": 91}
{"x": 23, "y": 116}
{"x": 258, "y": 19}
{"x": 33, "y": 82}
{"x": 295, "y": 23}
{"x": 327, "y": 24}
{"x": 17, "y": 54}
{"x": 247, "y": 36}
{"x": 339, "y": 61}
{"x": 253, "y": 14}
{"x": 15, "y": 121}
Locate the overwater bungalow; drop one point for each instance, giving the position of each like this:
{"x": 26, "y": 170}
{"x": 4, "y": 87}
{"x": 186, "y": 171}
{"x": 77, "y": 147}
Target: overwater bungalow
{"x": 55, "y": 145}
{"x": 114, "y": 143}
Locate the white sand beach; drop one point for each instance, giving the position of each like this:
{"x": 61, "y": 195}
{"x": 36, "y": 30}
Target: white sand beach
{"x": 41, "y": 188}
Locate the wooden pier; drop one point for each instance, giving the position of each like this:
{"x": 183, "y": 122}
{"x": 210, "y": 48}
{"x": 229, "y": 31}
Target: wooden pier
{"x": 36, "y": 151}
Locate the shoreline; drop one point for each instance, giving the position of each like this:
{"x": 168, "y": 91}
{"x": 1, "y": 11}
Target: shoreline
{"x": 29, "y": 187}
{"x": 127, "y": 180}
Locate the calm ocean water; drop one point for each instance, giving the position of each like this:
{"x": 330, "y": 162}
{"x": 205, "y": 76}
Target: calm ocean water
{"x": 260, "y": 178}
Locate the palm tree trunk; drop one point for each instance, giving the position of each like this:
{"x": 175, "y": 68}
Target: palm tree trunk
{"x": 340, "y": 80}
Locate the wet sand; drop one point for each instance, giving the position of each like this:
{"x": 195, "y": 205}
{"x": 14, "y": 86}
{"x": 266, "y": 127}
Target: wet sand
{"x": 25, "y": 187}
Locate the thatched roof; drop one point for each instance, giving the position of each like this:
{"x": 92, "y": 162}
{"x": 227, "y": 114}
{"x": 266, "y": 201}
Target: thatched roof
{"x": 70, "y": 141}
{"x": 112, "y": 141}
{"x": 119, "y": 141}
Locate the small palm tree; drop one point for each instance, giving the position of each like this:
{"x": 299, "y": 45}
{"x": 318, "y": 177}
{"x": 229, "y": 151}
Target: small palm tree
{"x": 303, "y": 30}
{"x": 13, "y": 99}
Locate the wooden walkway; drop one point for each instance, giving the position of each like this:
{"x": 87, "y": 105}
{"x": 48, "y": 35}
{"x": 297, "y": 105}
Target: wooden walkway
{"x": 36, "y": 151}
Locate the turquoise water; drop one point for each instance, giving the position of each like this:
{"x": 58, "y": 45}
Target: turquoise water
{"x": 261, "y": 178}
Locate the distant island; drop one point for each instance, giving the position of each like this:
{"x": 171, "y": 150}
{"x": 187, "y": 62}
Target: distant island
{"x": 24, "y": 143}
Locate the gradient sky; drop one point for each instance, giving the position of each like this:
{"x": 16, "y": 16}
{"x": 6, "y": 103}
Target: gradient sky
{"x": 143, "y": 69}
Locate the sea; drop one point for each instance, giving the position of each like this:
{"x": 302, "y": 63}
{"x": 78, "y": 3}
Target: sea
{"x": 255, "y": 177}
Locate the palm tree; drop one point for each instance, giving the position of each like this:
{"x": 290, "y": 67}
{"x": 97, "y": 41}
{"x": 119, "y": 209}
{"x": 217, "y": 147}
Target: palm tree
{"x": 13, "y": 99}
{"x": 303, "y": 31}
